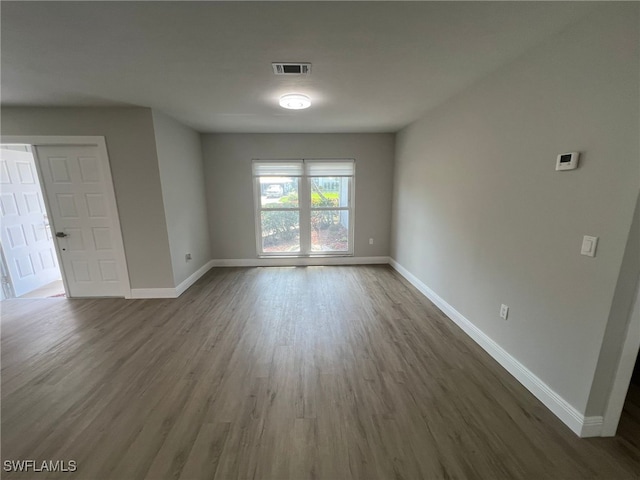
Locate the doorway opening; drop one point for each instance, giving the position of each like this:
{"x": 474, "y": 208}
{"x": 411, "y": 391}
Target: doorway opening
{"x": 28, "y": 259}
{"x": 629, "y": 424}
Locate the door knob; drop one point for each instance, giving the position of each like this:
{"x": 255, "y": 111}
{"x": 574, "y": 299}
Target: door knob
{"x": 61, "y": 234}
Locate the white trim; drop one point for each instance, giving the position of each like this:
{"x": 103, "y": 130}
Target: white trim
{"x": 624, "y": 372}
{"x": 173, "y": 292}
{"x": 298, "y": 261}
{"x": 154, "y": 293}
{"x": 42, "y": 140}
{"x": 193, "y": 278}
{"x": 591, "y": 427}
{"x": 253, "y": 262}
{"x": 112, "y": 205}
{"x": 576, "y": 421}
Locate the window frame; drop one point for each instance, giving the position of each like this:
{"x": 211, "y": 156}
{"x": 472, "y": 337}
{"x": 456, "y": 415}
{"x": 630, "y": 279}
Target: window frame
{"x": 305, "y": 207}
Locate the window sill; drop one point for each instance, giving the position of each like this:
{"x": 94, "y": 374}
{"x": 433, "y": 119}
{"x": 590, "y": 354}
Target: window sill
{"x": 320, "y": 255}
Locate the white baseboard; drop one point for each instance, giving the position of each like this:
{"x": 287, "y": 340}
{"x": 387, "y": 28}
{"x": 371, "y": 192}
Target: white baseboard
{"x": 300, "y": 261}
{"x": 193, "y": 278}
{"x": 576, "y": 421}
{"x": 592, "y": 427}
{"x": 251, "y": 262}
{"x": 153, "y": 293}
{"x": 173, "y": 292}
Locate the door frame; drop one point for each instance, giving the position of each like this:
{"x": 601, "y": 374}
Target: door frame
{"x": 112, "y": 206}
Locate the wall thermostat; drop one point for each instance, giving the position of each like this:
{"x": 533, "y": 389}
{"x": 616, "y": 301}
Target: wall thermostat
{"x": 567, "y": 161}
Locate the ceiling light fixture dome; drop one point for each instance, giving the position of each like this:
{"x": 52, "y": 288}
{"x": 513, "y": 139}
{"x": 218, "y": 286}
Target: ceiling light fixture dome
{"x": 295, "y": 101}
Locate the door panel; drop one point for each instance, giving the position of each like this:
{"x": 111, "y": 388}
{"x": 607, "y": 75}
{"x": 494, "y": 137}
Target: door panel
{"x": 79, "y": 190}
{"x": 26, "y": 239}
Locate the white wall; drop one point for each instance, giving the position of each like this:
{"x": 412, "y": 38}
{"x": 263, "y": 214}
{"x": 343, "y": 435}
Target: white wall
{"x": 230, "y": 185}
{"x": 134, "y": 166}
{"x": 183, "y": 194}
{"x": 481, "y": 217}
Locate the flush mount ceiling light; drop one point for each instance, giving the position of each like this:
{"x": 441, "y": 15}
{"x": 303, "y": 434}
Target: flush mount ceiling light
{"x": 295, "y": 101}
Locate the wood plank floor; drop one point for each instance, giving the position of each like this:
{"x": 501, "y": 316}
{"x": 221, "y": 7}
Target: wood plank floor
{"x": 277, "y": 373}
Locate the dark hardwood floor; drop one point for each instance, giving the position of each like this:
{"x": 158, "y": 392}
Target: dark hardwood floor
{"x": 278, "y": 373}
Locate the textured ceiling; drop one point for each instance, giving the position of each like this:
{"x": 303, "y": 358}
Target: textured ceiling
{"x": 377, "y": 66}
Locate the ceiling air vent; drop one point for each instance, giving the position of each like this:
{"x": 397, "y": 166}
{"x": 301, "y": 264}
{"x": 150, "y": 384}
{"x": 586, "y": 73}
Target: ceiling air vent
{"x": 291, "y": 68}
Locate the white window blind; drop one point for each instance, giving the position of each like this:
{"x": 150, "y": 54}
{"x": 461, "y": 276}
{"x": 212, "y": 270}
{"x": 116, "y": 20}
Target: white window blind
{"x": 329, "y": 168}
{"x": 269, "y": 168}
{"x": 296, "y": 168}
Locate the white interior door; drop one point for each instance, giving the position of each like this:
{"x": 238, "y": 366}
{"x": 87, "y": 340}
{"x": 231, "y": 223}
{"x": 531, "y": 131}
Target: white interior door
{"x": 79, "y": 190}
{"x": 26, "y": 239}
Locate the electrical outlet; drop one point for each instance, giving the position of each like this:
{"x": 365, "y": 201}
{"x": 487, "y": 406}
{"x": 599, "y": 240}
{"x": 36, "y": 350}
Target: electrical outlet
{"x": 371, "y": 241}
{"x": 187, "y": 257}
{"x": 504, "y": 311}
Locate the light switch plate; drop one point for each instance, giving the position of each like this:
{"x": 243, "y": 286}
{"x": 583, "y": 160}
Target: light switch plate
{"x": 589, "y": 245}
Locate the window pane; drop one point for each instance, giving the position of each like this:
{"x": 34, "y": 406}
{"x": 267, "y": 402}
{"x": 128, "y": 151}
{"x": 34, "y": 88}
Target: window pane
{"x": 329, "y": 192}
{"x": 329, "y": 230}
{"x": 280, "y": 231}
{"x": 279, "y": 192}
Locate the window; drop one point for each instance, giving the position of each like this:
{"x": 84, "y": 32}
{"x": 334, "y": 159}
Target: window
{"x": 304, "y": 207}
